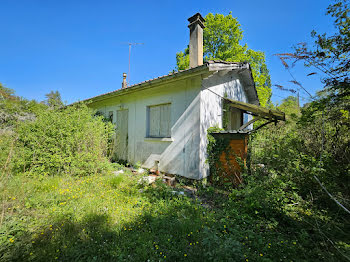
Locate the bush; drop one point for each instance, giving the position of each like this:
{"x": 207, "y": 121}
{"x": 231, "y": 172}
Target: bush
{"x": 68, "y": 141}
{"x": 7, "y": 142}
{"x": 281, "y": 186}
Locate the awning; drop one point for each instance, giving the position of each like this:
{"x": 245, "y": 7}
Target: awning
{"x": 258, "y": 111}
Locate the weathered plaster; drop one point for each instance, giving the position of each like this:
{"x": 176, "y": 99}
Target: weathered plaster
{"x": 193, "y": 110}
{"x": 178, "y": 155}
{"x": 213, "y": 89}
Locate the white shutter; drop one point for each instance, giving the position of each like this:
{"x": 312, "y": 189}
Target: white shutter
{"x": 165, "y": 120}
{"x": 159, "y": 121}
{"x": 154, "y": 121}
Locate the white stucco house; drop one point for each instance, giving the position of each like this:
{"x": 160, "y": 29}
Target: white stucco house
{"x": 163, "y": 122}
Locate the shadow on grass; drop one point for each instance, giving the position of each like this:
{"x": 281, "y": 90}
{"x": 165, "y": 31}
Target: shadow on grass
{"x": 174, "y": 229}
{"x": 169, "y": 233}
{"x": 89, "y": 240}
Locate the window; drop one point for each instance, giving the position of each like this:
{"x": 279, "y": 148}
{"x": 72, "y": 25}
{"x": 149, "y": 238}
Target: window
{"x": 110, "y": 116}
{"x": 233, "y": 119}
{"x": 159, "y": 121}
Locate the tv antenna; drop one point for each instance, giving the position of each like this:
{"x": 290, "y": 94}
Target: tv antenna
{"x": 131, "y": 44}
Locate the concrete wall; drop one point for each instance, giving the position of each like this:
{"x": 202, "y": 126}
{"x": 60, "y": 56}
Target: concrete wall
{"x": 194, "y": 108}
{"x": 211, "y": 107}
{"x": 180, "y": 155}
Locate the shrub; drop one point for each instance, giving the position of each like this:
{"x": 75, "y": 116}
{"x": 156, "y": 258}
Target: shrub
{"x": 7, "y": 145}
{"x": 70, "y": 141}
{"x": 281, "y": 186}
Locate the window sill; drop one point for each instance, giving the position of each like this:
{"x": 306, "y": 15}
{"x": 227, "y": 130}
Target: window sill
{"x": 159, "y": 139}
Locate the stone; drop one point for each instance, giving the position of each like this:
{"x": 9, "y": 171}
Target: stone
{"x": 141, "y": 170}
{"x": 148, "y": 180}
{"x": 119, "y": 172}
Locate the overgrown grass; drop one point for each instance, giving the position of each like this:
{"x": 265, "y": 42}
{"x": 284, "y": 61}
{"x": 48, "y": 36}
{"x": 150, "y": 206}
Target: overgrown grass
{"x": 113, "y": 218}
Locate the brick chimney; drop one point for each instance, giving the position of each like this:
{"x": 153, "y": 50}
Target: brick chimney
{"x": 124, "y": 84}
{"x": 196, "y": 39}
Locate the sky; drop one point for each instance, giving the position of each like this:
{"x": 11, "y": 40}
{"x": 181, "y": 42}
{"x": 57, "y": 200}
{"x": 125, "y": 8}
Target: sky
{"x": 79, "y": 47}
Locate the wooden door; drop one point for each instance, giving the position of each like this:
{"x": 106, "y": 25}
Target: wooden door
{"x": 122, "y": 134}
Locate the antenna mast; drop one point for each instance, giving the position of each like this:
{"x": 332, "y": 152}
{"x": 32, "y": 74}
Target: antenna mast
{"x": 131, "y": 44}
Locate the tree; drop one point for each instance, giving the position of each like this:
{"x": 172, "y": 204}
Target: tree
{"x": 221, "y": 37}
{"x": 290, "y": 106}
{"x": 6, "y": 93}
{"x": 329, "y": 56}
{"x": 324, "y": 123}
{"x": 53, "y": 99}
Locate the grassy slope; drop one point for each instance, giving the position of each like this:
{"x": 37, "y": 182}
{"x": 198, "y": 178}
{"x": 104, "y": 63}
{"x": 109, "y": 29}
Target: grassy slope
{"x": 109, "y": 218}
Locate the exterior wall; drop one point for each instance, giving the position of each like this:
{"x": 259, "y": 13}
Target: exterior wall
{"x": 178, "y": 155}
{"x": 220, "y": 83}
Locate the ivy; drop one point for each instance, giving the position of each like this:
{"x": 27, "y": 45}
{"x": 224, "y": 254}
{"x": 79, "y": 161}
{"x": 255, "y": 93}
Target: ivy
{"x": 225, "y": 113}
{"x": 214, "y": 149}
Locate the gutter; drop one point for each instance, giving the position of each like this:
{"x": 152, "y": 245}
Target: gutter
{"x": 149, "y": 84}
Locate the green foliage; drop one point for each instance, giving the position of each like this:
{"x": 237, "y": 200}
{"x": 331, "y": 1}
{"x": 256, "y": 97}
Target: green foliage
{"x": 216, "y": 146}
{"x": 225, "y": 111}
{"x": 290, "y": 106}
{"x": 15, "y": 109}
{"x": 332, "y": 53}
{"x": 6, "y": 93}
{"x": 54, "y": 100}
{"x": 106, "y": 218}
{"x": 7, "y": 147}
{"x": 281, "y": 190}
{"x": 281, "y": 185}
{"x": 329, "y": 56}
{"x": 213, "y": 149}
{"x": 68, "y": 141}
{"x": 221, "y": 40}
{"x": 183, "y": 59}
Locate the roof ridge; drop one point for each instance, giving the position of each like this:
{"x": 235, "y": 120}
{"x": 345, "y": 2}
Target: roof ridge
{"x": 172, "y": 73}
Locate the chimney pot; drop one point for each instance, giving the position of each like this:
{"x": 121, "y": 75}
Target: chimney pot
{"x": 196, "y": 39}
{"x": 124, "y": 83}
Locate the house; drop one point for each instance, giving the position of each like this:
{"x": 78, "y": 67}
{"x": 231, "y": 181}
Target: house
{"x": 162, "y": 123}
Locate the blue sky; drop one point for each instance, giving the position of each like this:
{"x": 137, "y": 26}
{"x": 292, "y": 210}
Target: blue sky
{"x": 78, "y": 46}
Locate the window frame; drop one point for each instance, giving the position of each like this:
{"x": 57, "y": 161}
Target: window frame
{"x": 148, "y": 122}
{"x": 111, "y": 116}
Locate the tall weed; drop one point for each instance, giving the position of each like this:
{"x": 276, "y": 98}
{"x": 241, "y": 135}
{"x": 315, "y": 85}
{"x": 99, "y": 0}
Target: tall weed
{"x": 68, "y": 141}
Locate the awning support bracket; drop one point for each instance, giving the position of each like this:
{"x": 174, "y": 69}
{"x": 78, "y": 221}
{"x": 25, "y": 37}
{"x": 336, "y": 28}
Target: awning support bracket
{"x": 249, "y": 123}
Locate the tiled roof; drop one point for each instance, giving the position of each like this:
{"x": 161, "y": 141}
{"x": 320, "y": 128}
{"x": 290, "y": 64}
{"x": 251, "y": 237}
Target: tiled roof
{"x": 171, "y": 74}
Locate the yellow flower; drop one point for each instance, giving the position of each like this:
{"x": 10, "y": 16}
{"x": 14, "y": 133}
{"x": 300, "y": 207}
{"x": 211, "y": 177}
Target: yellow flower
{"x": 261, "y": 254}
{"x": 12, "y": 240}
{"x": 185, "y": 255}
